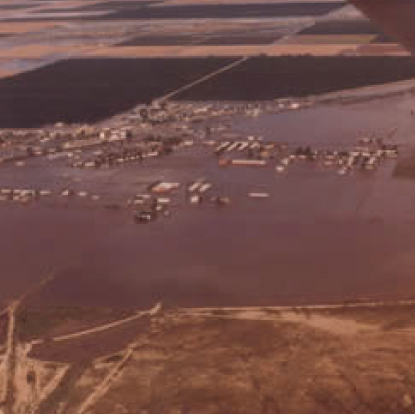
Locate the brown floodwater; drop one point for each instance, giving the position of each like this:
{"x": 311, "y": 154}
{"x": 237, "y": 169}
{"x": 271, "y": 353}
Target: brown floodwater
{"x": 318, "y": 238}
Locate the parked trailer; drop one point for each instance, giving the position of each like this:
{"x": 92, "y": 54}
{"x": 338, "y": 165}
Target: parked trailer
{"x": 249, "y": 163}
{"x": 195, "y": 186}
{"x": 258, "y": 195}
{"x": 243, "y": 146}
{"x": 222, "y": 146}
{"x": 205, "y": 187}
{"x": 233, "y": 146}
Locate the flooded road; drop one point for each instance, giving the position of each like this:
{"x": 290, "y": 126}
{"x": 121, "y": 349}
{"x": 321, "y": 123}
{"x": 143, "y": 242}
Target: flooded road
{"x": 319, "y": 237}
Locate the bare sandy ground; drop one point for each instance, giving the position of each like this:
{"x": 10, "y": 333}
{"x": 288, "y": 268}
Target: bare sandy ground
{"x": 137, "y": 51}
{"x": 5, "y": 73}
{"x": 344, "y": 359}
{"x": 25, "y": 27}
{"x": 313, "y": 50}
{"x": 334, "y": 48}
{"x": 238, "y": 50}
{"x": 331, "y": 39}
{"x": 38, "y": 51}
{"x": 382, "y": 50}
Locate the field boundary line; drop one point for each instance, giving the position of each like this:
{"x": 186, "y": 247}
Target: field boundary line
{"x": 203, "y": 79}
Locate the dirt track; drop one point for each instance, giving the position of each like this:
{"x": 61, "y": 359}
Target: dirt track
{"x": 262, "y": 360}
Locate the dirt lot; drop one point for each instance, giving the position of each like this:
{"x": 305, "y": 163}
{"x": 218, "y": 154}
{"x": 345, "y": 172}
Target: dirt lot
{"x": 14, "y": 27}
{"x": 343, "y": 359}
{"x": 386, "y": 49}
{"x": 36, "y": 51}
{"x": 206, "y": 50}
{"x": 5, "y": 73}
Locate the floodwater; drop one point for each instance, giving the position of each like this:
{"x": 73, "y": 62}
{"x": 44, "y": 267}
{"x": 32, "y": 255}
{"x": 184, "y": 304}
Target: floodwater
{"x": 319, "y": 238}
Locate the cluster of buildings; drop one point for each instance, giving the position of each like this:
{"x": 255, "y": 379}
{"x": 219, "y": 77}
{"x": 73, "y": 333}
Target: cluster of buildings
{"x": 162, "y": 112}
{"x": 159, "y": 199}
{"x": 161, "y": 128}
{"x": 113, "y": 155}
{"x": 199, "y": 191}
{"x": 27, "y": 195}
{"x": 88, "y": 146}
{"x": 155, "y": 203}
{"x": 254, "y": 152}
{"x": 146, "y": 131}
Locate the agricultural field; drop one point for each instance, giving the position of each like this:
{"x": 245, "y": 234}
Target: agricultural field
{"x": 38, "y": 34}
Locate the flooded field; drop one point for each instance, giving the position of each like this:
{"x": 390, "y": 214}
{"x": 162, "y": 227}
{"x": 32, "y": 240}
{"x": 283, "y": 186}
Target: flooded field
{"x": 318, "y": 237}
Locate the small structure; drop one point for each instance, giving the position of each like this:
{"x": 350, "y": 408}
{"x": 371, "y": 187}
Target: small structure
{"x": 258, "y": 195}
{"x": 249, "y": 163}
{"x": 164, "y": 187}
{"x": 145, "y": 216}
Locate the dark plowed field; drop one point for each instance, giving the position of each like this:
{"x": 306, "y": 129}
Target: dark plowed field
{"x": 278, "y": 77}
{"x": 109, "y": 6}
{"x": 163, "y": 40}
{"x": 384, "y": 38}
{"x": 209, "y": 40}
{"x": 16, "y": 6}
{"x": 93, "y": 89}
{"x": 343, "y": 27}
{"x": 227, "y": 11}
{"x": 88, "y": 90}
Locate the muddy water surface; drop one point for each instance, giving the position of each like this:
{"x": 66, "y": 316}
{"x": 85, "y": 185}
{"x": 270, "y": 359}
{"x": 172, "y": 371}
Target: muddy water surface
{"x": 318, "y": 238}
